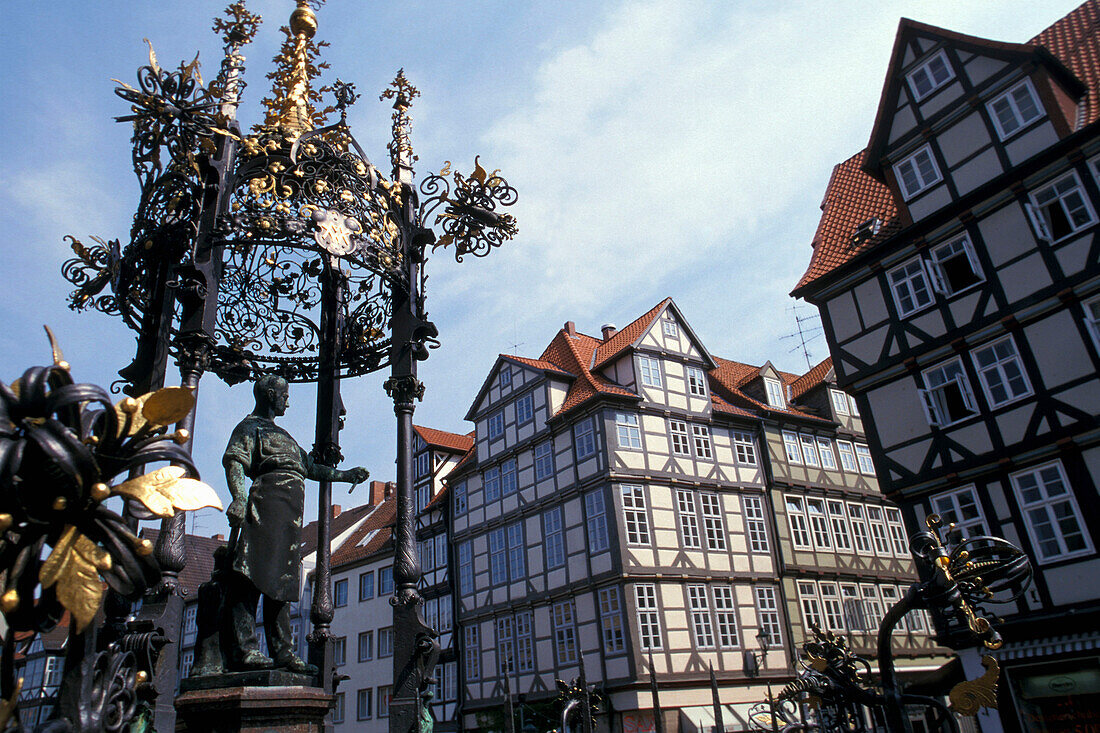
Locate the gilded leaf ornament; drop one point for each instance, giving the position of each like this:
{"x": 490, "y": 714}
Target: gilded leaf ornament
{"x": 74, "y": 566}
{"x": 165, "y": 491}
{"x": 968, "y": 697}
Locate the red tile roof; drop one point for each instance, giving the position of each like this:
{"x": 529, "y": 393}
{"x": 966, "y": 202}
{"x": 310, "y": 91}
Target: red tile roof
{"x": 381, "y": 519}
{"x": 442, "y": 439}
{"x": 537, "y": 364}
{"x": 853, "y": 197}
{"x": 337, "y": 526}
{"x": 200, "y": 559}
{"x": 730, "y": 376}
{"x": 811, "y": 379}
{"x": 618, "y": 343}
{"x": 573, "y": 354}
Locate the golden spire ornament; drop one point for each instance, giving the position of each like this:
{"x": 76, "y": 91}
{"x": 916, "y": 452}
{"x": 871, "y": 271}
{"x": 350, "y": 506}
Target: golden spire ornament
{"x": 290, "y": 107}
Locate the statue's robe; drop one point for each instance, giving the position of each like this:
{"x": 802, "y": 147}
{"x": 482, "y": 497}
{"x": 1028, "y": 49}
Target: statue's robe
{"x": 268, "y": 550}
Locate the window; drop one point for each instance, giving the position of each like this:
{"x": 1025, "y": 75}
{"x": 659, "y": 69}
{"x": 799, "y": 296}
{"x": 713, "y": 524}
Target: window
{"x": 491, "y": 478}
{"x": 366, "y": 646}
{"x": 854, "y": 617}
{"x": 385, "y": 642}
{"x": 459, "y": 494}
{"x": 517, "y": 554}
{"x": 697, "y": 383}
{"x": 796, "y": 515}
{"x": 767, "y": 614}
{"x": 498, "y": 556}
{"x": 711, "y": 506}
{"x": 505, "y": 376}
{"x": 422, "y": 464}
{"x": 189, "y": 619}
{"x": 363, "y": 704}
{"x": 872, "y": 606}
{"x": 678, "y": 434}
{"x": 859, "y": 529}
{"x": 649, "y": 620}
{"x": 775, "y": 393}
{"x": 1014, "y": 109}
{"x": 525, "y": 642}
{"x": 744, "y": 448}
{"x": 754, "y": 524}
{"x": 385, "y": 694}
{"x": 1001, "y": 373}
{"x": 553, "y": 538}
{"x": 954, "y": 267}
{"x": 863, "y": 453}
{"x": 445, "y": 619}
{"x": 830, "y": 605}
{"x": 496, "y": 425}
{"x": 897, "y": 532}
{"x": 852, "y": 404}
{"x": 910, "y": 288}
{"x": 340, "y": 593}
{"x": 385, "y": 581}
{"x": 700, "y": 436}
{"x": 52, "y": 675}
{"x": 961, "y": 508}
{"x": 1092, "y": 318}
{"x": 790, "y": 443}
{"x": 930, "y": 75}
{"x": 525, "y": 409}
{"x": 917, "y": 172}
{"x": 472, "y": 651}
{"x": 689, "y": 524}
{"x": 338, "y": 708}
{"x": 450, "y": 682}
{"x": 651, "y": 371}
{"x": 340, "y": 651}
{"x": 544, "y": 460}
{"x": 506, "y": 645}
{"x": 839, "y": 522}
{"x": 366, "y": 585}
{"x": 669, "y": 327}
{"x": 890, "y": 596}
{"x": 611, "y": 621}
{"x": 1060, "y": 209}
{"x": 423, "y": 496}
{"x": 630, "y": 434}
{"x": 811, "y": 604}
{"x": 847, "y": 455}
{"x": 584, "y": 436}
{"x": 637, "y": 522}
{"x": 465, "y": 568}
{"x": 877, "y": 522}
{"x": 809, "y": 450}
{"x": 597, "y": 521}
{"x": 726, "y": 613}
{"x": 508, "y": 484}
{"x": 840, "y": 402}
{"x": 1053, "y": 519}
{"x": 947, "y": 397}
{"x": 825, "y": 450}
{"x": 702, "y": 629}
{"x": 819, "y": 524}
{"x": 565, "y": 634}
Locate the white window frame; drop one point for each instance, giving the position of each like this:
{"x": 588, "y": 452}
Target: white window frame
{"x": 792, "y": 447}
{"x": 996, "y": 370}
{"x": 809, "y": 450}
{"x": 1037, "y": 210}
{"x": 756, "y": 528}
{"x": 872, "y": 605}
{"x": 832, "y": 610}
{"x": 810, "y": 605}
{"x": 697, "y": 381}
{"x": 890, "y": 596}
{"x": 678, "y": 438}
{"x": 465, "y": 568}
{"x": 847, "y": 456}
{"x": 774, "y": 390}
{"x": 629, "y": 431}
{"x": 498, "y": 556}
{"x": 898, "y": 538}
{"x": 942, "y": 254}
{"x": 904, "y": 280}
{"x": 744, "y": 446}
{"x": 861, "y": 535}
{"x": 505, "y": 377}
{"x": 825, "y": 453}
{"x": 491, "y": 482}
{"x": 819, "y": 524}
{"x": 650, "y": 371}
{"x": 725, "y": 612}
{"x": 880, "y": 538}
{"x": 922, "y": 182}
{"x": 471, "y": 648}
{"x": 669, "y": 327}
{"x": 525, "y": 409}
{"x": 934, "y": 397}
{"x": 854, "y": 617}
{"x": 1045, "y": 475}
{"x": 800, "y": 526}
{"x": 496, "y": 425}
{"x": 611, "y": 620}
{"x": 635, "y": 516}
{"x": 700, "y": 439}
{"x": 863, "y": 456}
{"x": 459, "y": 498}
{"x": 838, "y": 522}
{"x": 584, "y": 438}
{"x": 553, "y": 538}
{"x": 949, "y": 505}
{"x": 544, "y": 460}
{"x": 1013, "y": 106}
{"x": 517, "y": 552}
{"x": 690, "y": 536}
{"x": 509, "y": 477}
{"x": 767, "y": 614}
{"x": 714, "y": 530}
{"x": 925, "y": 68}
{"x": 840, "y": 401}
{"x": 596, "y": 521}
{"x": 702, "y": 628}
{"x": 649, "y": 617}
{"x": 854, "y": 407}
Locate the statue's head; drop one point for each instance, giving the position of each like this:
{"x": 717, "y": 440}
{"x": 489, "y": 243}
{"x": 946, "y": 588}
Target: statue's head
{"x": 273, "y": 391}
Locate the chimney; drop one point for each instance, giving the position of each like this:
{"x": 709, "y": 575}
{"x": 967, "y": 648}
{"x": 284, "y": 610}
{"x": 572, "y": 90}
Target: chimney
{"x": 391, "y": 486}
{"x": 376, "y": 492}
{"x": 571, "y": 329}
{"x": 217, "y": 537}
{"x": 336, "y": 509}
{"x": 609, "y": 330}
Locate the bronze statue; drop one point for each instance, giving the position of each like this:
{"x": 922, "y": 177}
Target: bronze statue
{"x": 266, "y": 471}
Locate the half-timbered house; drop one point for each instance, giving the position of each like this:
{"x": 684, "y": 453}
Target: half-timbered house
{"x": 956, "y": 270}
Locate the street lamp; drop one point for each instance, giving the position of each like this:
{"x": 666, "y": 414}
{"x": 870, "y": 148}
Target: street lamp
{"x": 752, "y": 667}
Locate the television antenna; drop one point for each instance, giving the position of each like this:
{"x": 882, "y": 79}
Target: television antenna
{"x": 808, "y": 330}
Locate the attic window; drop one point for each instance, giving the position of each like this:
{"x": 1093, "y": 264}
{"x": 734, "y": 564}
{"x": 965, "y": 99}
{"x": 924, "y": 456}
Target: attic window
{"x": 775, "y": 393}
{"x": 930, "y": 75}
{"x": 866, "y": 230}
{"x": 367, "y": 538}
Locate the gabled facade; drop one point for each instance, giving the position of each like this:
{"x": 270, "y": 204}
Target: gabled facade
{"x": 615, "y": 512}
{"x": 957, "y": 270}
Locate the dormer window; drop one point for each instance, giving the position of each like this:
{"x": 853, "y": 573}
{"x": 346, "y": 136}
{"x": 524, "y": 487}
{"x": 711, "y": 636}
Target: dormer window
{"x": 1015, "y": 109}
{"x": 930, "y": 75}
{"x": 775, "y": 393}
{"x": 505, "y": 377}
{"x": 917, "y": 172}
{"x": 866, "y": 230}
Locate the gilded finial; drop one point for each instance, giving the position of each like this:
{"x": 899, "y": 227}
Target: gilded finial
{"x": 291, "y": 104}
{"x": 401, "y": 153}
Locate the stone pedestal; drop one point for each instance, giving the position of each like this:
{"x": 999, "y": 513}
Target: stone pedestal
{"x": 252, "y": 702}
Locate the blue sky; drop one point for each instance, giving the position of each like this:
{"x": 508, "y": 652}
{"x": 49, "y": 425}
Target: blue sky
{"x": 659, "y": 149}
